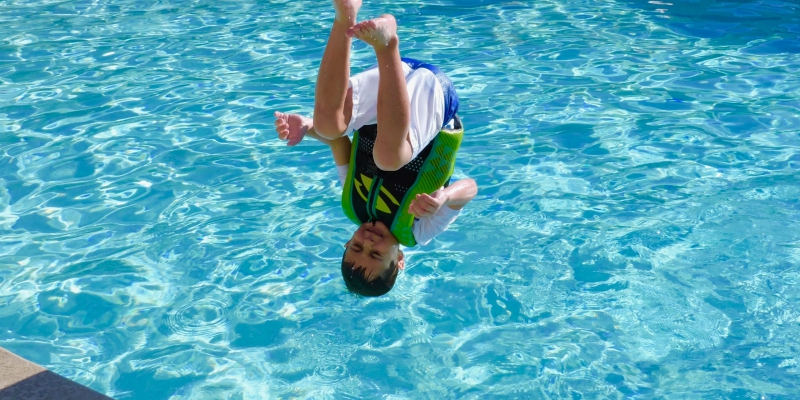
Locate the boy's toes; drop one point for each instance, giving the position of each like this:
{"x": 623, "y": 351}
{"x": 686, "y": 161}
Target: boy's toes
{"x": 362, "y": 29}
{"x": 354, "y": 31}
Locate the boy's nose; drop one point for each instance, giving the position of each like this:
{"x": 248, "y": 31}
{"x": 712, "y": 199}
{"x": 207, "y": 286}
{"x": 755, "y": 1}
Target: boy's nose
{"x": 369, "y": 236}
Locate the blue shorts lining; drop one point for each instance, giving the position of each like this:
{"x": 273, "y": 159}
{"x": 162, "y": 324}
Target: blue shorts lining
{"x": 450, "y": 96}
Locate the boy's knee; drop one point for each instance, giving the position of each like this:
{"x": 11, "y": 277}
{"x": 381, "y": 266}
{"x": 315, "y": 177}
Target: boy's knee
{"x": 387, "y": 161}
{"x": 327, "y": 126}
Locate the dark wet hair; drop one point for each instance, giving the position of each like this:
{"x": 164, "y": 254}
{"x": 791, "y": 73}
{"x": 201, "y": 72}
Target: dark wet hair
{"x": 356, "y": 280}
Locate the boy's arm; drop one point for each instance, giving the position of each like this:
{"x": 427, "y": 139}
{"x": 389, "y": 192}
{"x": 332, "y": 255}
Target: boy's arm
{"x": 460, "y": 193}
{"x": 434, "y": 222}
{"x": 340, "y": 147}
{"x": 454, "y": 197}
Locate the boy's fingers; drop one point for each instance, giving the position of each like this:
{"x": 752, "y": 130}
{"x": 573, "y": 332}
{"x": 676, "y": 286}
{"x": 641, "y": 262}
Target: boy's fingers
{"x": 293, "y": 140}
{"x": 423, "y": 214}
{"x": 427, "y": 198}
{"x": 428, "y": 203}
{"x": 423, "y": 204}
{"x": 418, "y": 207}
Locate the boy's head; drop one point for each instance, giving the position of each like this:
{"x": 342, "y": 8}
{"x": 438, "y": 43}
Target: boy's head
{"x": 371, "y": 260}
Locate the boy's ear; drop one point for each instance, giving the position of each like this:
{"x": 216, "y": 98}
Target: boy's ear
{"x": 401, "y": 260}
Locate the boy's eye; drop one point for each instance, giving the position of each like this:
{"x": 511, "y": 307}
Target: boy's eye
{"x": 375, "y": 255}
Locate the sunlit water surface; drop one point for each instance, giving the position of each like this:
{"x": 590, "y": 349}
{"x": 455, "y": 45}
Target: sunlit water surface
{"x": 635, "y": 235}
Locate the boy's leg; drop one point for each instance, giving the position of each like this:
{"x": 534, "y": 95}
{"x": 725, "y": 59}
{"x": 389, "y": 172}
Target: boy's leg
{"x": 330, "y": 94}
{"x": 392, "y": 147}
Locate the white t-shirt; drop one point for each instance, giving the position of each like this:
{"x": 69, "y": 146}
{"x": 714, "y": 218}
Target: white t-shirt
{"x": 426, "y": 97}
{"x": 427, "y": 114}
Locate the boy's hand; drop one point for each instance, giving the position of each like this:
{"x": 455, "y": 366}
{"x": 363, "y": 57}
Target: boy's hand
{"x": 291, "y": 127}
{"x": 425, "y": 206}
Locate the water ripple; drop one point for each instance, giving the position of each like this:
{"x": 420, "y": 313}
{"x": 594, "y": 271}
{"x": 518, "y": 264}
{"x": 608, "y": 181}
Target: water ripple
{"x": 201, "y": 319}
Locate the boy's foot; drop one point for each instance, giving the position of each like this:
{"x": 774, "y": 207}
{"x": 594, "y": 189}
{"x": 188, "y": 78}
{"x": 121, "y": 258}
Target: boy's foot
{"x": 346, "y": 11}
{"x": 378, "y": 32}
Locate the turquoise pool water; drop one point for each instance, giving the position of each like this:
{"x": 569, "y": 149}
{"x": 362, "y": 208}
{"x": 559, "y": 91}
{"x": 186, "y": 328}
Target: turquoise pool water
{"x": 635, "y": 235}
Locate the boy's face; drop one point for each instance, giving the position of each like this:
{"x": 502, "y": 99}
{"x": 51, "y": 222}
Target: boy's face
{"x": 373, "y": 247}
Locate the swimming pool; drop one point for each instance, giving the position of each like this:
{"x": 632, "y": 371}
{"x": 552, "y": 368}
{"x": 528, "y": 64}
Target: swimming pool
{"x": 635, "y": 233}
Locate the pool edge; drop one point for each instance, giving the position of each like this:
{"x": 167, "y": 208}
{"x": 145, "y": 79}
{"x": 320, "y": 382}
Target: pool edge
{"x": 22, "y": 379}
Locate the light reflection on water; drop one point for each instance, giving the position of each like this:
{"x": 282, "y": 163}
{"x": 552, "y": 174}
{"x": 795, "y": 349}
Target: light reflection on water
{"x": 634, "y": 232}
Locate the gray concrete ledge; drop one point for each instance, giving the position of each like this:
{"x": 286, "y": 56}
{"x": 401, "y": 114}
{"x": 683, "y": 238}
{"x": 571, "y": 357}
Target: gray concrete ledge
{"x": 21, "y": 379}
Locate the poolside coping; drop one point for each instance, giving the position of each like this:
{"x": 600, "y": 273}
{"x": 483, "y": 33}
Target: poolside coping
{"x": 21, "y": 379}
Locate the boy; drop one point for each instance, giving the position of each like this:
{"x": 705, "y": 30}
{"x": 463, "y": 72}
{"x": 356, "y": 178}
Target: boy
{"x": 406, "y": 133}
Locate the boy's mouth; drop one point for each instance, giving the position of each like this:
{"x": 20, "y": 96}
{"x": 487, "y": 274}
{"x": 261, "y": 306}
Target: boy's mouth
{"x": 374, "y": 231}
